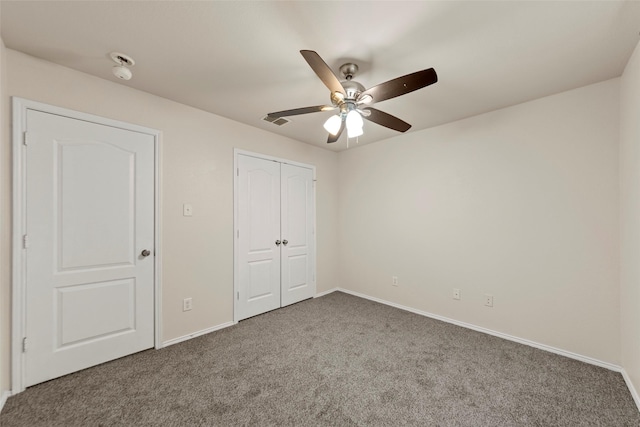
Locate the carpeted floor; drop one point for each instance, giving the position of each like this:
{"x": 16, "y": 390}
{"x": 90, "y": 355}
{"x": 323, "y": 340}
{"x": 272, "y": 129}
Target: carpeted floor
{"x": 337, "y": 360}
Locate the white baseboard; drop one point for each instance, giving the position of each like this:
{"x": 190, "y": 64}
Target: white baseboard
{"x": 632, "y": 389}
{"x": 524, "y": 341}
{"x": 196, "y": 334}
{"x": 3, "y": 398}
{"x": 321, "y": 294}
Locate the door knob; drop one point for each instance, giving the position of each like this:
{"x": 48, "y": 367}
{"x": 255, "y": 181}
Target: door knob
{"x": 284, "y": 242}
{"x": 145, "y": 253}
{"x": 277, "y": 242}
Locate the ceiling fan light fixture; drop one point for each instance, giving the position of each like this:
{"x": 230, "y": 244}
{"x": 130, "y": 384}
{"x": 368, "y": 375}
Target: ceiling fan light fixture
{"x": 332, "y": 125}
{"x": 354, "y": 132}
{"x": 354, "y": 120}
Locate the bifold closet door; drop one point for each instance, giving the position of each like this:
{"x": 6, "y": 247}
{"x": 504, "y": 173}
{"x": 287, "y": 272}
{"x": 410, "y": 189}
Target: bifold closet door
{"x": 275, "y": 235}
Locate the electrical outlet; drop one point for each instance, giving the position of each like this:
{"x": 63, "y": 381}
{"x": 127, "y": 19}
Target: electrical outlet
{"x": 456, "y": 294}
{"x": 394, "y": 280}
{"x": 488, "y": 300}
{"x": 187, "y": 304}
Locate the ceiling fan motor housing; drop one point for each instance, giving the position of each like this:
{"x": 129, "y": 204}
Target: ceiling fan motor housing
{"x": 352, "y": 89}
{"x": 349, "y": 70}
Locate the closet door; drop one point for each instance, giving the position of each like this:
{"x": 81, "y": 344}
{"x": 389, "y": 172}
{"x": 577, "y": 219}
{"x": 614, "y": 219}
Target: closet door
{"x": 275, "y": 235}
{"x": 297, "y": 219}
{"x": 258, "y": 238}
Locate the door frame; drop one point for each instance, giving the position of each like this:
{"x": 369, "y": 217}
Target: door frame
{"x": 236, "y": 276}
{"x": 18, "y": 300}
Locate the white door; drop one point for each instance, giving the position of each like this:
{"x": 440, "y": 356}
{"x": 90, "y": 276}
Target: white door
{"x": 89, "y": 217}
{"x": 258, "y": 198}
{"x": 297, "y": 233}
{"x": 275, "y": 259}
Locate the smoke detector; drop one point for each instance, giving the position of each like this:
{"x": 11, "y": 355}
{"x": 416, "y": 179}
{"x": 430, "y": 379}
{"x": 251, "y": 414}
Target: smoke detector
{"x": 122, "y": 70}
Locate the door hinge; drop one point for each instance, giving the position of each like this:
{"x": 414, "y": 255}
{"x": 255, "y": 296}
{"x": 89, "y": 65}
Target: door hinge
{"x": 238, "y": 295}
{"x": 24, "y": 344}
{"x": 25, "y": 241}
{"x": 25, "y": 138}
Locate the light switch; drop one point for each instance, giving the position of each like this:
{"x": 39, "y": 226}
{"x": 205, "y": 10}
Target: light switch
{"x": 187, "y": 209}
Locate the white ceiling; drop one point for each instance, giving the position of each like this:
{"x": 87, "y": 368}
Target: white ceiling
{"x": 241, "y": 59}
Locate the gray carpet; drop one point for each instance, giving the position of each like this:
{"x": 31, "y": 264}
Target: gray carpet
{"x": 337, "y": 360}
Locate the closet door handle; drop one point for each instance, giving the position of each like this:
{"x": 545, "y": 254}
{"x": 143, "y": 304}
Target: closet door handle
{"x": 277, "y": 242}
{"x": 284, "y": 242}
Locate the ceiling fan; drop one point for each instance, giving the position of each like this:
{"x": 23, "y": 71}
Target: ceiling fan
{"x": 354, "y": 101}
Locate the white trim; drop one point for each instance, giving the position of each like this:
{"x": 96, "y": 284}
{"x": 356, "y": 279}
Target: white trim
{"x": 236, "y": 272}
{"x": 236, "y": 249}
{"x": 236, "y": 285}
{"x": 3, "y": 398}
{"x": 17, "y": 272}
{"x": 158, "y": 240}
{"x": 544, "y": 347}
{"x": 237, "y": 151}
{"x": 632, "y": 389}
{"x": 20, "y": 107}
{"x": 197, "y": 334}
{"x": 321, "y": 294}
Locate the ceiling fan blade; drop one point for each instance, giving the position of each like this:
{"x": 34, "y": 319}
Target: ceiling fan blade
{"x": 334, "y": 138}
{"x": 323, "y": 71}
{"x": 304, "y": 110}
{"x": 386, "y": 120}
{"x": 401, "y": 85}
